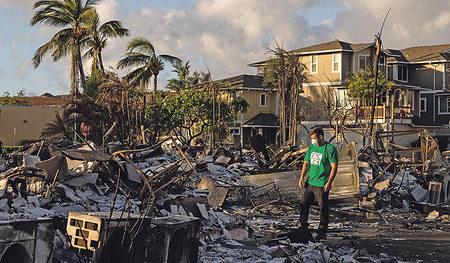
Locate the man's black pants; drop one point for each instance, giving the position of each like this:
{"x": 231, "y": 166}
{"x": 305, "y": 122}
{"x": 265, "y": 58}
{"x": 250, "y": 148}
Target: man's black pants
{"x": 307, "y": 198}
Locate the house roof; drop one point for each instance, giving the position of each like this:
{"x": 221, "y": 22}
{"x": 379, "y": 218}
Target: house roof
{"x": 241, "y": 81}
{"x": 332, "y": 46}
{"x": 421, "y": 54}
{"x": 328, "y": 46}
{"x": 262, "y": 119}
{"x": 48, "y": 100}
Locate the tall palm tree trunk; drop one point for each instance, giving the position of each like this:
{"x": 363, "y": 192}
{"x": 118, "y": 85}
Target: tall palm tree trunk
{"x": 100, "y": 61}
{"x": 74, "y": 88}
{"x": 80, "y": 63}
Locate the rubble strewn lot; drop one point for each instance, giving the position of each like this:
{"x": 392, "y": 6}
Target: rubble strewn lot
{"x": 246, "y": 200}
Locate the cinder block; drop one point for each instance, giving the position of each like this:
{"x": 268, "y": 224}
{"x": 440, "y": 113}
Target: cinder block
{"x": 84, "y": 230}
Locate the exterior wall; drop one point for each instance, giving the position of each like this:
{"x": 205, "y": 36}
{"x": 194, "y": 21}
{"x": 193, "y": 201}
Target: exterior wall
{"x": 426, "y": 117}
{"x": 310, "y": 102}
{"x": 422, "y": 75}
{"x": 416, "y": 110}
{"x": 253, "y": 99}
{"x": 324, "y": 69}
{"x": 347, "y": 62}
{"x": 28, "y": 122}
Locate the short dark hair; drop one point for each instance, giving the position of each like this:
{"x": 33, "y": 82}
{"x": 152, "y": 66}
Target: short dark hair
{"x": 317, "y": 131}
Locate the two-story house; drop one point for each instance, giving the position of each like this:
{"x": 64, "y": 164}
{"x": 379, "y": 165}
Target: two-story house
{"x": 427, "y": 69}
{"x": 261, "y": 116}
{"x": 418, "y": 93}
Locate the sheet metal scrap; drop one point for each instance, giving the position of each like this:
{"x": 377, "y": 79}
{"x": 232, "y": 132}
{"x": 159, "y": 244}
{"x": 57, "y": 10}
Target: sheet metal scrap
{"x": 268, "y": 194}
{"x": 85, "y": 155}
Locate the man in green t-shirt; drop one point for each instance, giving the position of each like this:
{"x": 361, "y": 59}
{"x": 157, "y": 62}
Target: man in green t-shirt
{"x": 321, "y": 162}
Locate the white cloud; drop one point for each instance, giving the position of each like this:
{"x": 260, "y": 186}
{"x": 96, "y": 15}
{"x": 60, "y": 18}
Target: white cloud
{"x": 409, "y": 23}
{"x": 108, "y": 10}
{"x": 24, "y": 66}
{"x": 224, "y": 36}
{"x": 15, "y": 3}
{"x": 328, "y": 22}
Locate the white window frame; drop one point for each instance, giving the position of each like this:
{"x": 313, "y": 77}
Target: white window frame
{"x": 235, "y": 131}
{"x": 397, "y": 75}
{"x": 439, "y": 106}
{"x": 366, "y": 60}
{"x": 260, "y": 100}
{"x": 424, "y": 109}
{"x": 383, "y": 64}
{"x": 336, "y": 59}
{"x": 341, "y": 98}
{"x": 314, "y": 64}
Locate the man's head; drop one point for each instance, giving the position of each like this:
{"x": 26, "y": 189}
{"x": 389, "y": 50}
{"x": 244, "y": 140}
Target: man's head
{"x": 317, "y": 135}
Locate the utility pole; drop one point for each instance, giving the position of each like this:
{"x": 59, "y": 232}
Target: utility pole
{"x": 374, "y": 95}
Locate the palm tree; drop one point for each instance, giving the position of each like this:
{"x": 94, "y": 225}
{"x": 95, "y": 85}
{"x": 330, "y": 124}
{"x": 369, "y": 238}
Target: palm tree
{"x": 184, "y": 80}
{"x": 148, "y": 62}
{"x": 99, "y": 36}
{"x": 63, "y": 13}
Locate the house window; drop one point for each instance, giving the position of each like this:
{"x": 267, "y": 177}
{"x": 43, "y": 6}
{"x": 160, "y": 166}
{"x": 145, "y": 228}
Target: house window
{"x": 363, "y": 62}
{"x": 423, "y": 104}
{"x": 313, "y": 64}
{"x": 444, "y": 105}
{"x": 262, "y": 100}
{"x": 382, "y": 64}
{"x": 235, "y": 131}
{"x": 402, "y": 73}
{"x": 336, "y": 57}
{"x": 384, "y": 98}
{"x": 342, "y": 100}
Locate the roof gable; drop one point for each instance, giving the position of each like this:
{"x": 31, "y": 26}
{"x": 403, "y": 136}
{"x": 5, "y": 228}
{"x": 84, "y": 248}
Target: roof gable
{"x": 421, "y": 54}
{"x": 328, "y": 46}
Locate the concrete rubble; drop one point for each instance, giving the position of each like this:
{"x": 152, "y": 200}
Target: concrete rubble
{"x": 246, "y": 200}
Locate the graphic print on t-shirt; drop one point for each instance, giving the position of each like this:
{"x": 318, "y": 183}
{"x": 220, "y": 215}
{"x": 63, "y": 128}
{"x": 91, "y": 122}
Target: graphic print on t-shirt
{"x": 316, "y": 158}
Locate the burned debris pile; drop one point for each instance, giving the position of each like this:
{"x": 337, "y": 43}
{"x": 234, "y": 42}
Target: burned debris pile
{"x": 247, "y": 200}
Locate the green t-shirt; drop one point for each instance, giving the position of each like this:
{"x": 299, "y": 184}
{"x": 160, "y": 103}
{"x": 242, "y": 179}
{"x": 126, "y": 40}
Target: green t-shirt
{"x": 320, "y": 159}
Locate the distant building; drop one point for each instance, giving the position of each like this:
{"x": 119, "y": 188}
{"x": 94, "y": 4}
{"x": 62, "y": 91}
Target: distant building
{"x": 18, "y": 123}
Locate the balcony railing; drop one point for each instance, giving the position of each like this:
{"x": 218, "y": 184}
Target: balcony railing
{"x": 384, "y": 112}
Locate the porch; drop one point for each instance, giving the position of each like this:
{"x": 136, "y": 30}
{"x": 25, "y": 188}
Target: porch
{"x": 384, "y": 112}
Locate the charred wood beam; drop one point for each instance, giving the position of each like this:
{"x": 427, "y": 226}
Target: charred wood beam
{"x": 381, "y": 174}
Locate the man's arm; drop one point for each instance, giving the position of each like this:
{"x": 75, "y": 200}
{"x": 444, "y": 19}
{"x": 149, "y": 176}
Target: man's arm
{"x": 333, "y": 172}
{"x": 304, "y": 171}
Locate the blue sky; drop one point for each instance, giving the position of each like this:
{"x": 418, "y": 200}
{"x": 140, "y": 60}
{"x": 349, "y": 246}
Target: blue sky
{"x": 220, "y": 35}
